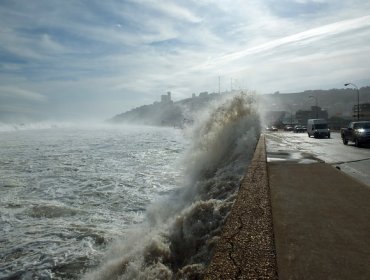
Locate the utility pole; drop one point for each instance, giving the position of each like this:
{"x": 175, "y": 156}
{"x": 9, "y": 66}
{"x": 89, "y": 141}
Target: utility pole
{"x": 358, "y": 99}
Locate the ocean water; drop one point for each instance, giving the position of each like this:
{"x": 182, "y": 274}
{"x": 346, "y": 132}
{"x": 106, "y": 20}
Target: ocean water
{"x": 121, "y": 202}
{"x": 66, "y": 192}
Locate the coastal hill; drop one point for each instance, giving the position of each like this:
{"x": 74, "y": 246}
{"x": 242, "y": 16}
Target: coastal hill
{"x": 337, "y": 102}
{"x": 166, "y": 112}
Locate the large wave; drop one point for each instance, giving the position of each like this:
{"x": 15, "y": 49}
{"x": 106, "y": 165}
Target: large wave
{"x": 177, "y": 239}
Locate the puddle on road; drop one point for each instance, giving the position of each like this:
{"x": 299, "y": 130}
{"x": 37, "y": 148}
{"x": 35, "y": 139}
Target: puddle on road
{"x": 291, "y": 157}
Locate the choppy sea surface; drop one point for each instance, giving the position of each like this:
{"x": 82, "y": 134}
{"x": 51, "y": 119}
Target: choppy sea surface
{"x": 67, "y": 192}
{"x": 121, "y": 202}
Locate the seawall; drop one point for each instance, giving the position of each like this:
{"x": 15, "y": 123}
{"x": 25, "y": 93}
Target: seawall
{"x": 246, "y": 248}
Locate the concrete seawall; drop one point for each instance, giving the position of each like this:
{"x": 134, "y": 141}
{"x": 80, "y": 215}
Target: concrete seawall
{"x": 246, "y": 247}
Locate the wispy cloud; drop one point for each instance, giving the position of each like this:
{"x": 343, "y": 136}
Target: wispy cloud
{"x": 18, "y": 93}
{"x": 120, "y": 54}
{"x": 173, "y": 10}
{"x": 312, "y": 34}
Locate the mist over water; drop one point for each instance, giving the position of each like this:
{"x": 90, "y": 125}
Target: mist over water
{"x": 178, "y": 234}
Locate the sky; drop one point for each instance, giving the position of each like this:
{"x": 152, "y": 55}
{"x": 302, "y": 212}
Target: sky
{"x": 92, "y": 59}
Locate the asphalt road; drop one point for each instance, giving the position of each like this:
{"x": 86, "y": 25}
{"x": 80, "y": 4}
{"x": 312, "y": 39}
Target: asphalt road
{"x": 298, "y": 147}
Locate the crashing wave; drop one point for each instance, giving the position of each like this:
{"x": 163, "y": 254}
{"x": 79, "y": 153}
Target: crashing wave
{"x": 177, "y": 239}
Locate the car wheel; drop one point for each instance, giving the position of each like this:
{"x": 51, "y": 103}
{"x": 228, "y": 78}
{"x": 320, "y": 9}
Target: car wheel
{"x": 329, "y": 136}
{"x": 345, "y": 141}
{"x": 357, "y": 143}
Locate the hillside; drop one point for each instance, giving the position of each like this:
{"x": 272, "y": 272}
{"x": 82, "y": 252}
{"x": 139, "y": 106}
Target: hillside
{"x": 166, "y": 112}
{"x": 337, "y": 102}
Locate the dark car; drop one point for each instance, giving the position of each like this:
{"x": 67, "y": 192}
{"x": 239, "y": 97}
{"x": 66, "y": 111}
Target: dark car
{"x": 299, "y": 129}
{"x": 358, "y": 132}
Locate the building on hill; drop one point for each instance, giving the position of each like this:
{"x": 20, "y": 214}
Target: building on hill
{"x": 203, "y": 94}
{"x": 364, "y": 112}
{"x": 316, "y": 112}
{"x": 166, "y": 98}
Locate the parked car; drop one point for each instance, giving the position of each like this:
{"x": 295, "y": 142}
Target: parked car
{"x": 299, "y": 129}
{"x": 358, "y": 132}
{"x": 288, "y": 128}
{"x": 318, "y": 128}
{"x": 271, "y": 128}
{"x": 274, "y": 128}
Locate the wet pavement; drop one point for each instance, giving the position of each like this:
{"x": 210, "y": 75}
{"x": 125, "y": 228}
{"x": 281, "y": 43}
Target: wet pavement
{"x": 298, "y": 215}
{"x": 291, "y": 156}
{"x": 299, "y": 148}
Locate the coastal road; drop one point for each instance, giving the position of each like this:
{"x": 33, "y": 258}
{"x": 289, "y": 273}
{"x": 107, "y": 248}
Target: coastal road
{"x": 298, "y": 147}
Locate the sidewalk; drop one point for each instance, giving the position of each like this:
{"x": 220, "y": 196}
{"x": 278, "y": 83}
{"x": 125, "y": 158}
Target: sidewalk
{"x": 321, "y": 221}
{"x": 296, "y": 220}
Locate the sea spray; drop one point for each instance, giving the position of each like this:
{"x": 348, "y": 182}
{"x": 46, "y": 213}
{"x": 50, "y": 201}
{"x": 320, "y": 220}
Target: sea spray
{"x": 179, "y": 234}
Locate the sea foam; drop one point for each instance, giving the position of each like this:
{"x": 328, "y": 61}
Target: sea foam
{"x": 177, "y": 238}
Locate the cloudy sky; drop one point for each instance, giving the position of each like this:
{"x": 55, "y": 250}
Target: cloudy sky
{"x": 79, "y": 59}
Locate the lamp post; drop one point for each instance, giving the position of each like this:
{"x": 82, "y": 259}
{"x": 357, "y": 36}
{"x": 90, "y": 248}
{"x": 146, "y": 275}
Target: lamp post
{"x": 316, "y": 104}
{"x": 358, "y": 99}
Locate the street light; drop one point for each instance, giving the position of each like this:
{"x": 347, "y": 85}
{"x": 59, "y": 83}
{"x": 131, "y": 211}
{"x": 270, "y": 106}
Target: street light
{"x": 358, "y": 99}
{"x": 316, "y": 109}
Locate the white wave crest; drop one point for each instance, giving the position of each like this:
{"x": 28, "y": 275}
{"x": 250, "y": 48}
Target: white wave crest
{"x": 176, "y": 240}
